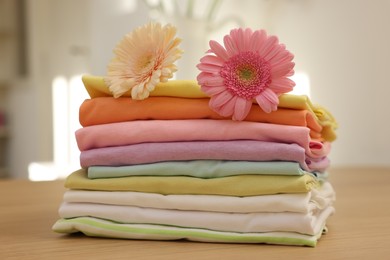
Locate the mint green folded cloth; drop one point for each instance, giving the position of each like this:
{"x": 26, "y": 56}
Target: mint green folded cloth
{"x": 104, "y": 228}
{"x": 198, "y": 168}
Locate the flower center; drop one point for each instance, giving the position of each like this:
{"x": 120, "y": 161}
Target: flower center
{"x": 246, "y": 74}
{"x": 145, "y": 61}
{"x": 147, "y": 64}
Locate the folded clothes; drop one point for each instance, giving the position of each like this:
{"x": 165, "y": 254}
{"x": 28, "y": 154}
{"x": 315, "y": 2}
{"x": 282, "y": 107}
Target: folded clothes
{"x": 133, "y": 132}
{"x": 198, "y": 168}
{"x": 105, "y": 110}
{"x": 304, "y": 223}
{"x": 311, "y": 201}
{"x": 105, "y": 228}
{"x": 243, "y": 185}
{"x": 96, "y": 87}
{"x": 243, "y": 150}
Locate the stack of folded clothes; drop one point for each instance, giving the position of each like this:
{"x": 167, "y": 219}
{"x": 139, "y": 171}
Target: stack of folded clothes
{"x": 170, "y": 167}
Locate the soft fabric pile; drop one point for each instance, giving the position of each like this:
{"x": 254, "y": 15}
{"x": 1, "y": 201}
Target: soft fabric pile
{"x": 168, "y": 168}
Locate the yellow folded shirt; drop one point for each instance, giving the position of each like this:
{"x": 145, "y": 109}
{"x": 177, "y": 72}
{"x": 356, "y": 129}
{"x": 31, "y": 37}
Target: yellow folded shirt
{"x": 96, "y": 87}
{"x": 244, "y": 185}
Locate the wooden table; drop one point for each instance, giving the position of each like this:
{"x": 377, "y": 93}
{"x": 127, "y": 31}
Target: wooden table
{"x": 360, "y": 229}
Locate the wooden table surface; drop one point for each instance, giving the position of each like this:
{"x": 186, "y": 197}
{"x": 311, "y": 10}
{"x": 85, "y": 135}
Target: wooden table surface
{"x": 360, "y": 229}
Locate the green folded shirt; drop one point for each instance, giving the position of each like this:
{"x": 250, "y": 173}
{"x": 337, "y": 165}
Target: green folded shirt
{"x": 105, "y": 228}
{"x": 198, "y": 168}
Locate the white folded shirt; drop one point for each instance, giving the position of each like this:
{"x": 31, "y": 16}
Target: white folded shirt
{"x": 305, "y": 223}
{"x": 312, "y": 201}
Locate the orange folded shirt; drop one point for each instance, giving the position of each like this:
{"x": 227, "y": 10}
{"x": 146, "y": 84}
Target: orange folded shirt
{"x": 105, "y": 110}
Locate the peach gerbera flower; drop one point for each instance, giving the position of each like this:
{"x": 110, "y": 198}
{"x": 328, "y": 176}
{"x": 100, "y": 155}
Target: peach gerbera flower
{"x": 142, "y": 59}
{"x": 251, "y": 66}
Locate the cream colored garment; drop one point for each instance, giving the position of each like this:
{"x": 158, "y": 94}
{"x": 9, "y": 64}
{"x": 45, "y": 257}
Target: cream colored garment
{"x": 311, "y": 201}
{"x": 304, "y": 223}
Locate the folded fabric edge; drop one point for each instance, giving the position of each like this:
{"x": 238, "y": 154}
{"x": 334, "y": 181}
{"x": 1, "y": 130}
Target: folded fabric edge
{"x": 205, "y": 169}
{"x": 105, "y": 228}
{"x": 96, "y": 87}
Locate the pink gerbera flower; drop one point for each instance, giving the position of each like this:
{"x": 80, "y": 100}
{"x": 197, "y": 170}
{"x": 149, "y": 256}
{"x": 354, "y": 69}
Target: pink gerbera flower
{"x": 142, "y": 59}
{"x": 250, "y": 66}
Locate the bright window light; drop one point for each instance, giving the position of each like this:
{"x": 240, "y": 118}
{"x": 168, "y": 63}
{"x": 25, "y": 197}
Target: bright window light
{"x": 41, "y": 171}
{"x": 60, "y": 119}
{"x": 302, "y": 84}
{"x": 127, "y": 7}
{"x": 67, "y": 96}
{"x": 48, "y": 171}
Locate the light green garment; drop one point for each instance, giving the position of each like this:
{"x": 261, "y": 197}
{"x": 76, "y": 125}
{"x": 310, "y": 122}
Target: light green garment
{"x": 243, "y": 185}
{"x": 104, "y": 228}
{"x": 198, "y": 168}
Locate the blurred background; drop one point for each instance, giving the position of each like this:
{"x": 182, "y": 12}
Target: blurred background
{"x": 341, "y": 52}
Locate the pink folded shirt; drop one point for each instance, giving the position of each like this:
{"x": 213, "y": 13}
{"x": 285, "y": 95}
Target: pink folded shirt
{"x": 134, "y": 132}
{"x": 243, "y": 150}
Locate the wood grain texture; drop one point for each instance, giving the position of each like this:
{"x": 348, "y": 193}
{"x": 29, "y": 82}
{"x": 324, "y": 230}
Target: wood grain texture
{"x": 360, "y": 229}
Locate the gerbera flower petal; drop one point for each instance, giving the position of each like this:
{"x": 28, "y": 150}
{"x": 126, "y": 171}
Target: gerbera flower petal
{"x": 211, "y": 90}
{"x": 122, "y": 87}
{"x": 282, "y": 57}
{"x": 248, "y": 32}
{"x": 290, "y": 73}
{"x": 215, "y": 82}
{"x": 268, "y": 101}
{"x": 237, "y": 36}
{"x": 203, "y": 77}
{"x": 213, "y": 60}
{"x": 227, "y": 110}
{"x": 207, "y": 79}
{"x": 166, "y": 73}
{"x": 250, "y": 65}
{"x": 230, "y": 45}
{"x": 241, "y": 109}
{"x": 281, "y": 69}
{"x": 137, "y": 91}
{"x": 220, "y": 99}
{"x": 209, "y": 68}
{"x": 270, "y": 43}
{"x": 218, "y": 50}
{"x": 142, "y": 59}
{"x": 240, "y": 38}
{"x": 282, "y": 85}
{"x": 257, "y": 38}
{"x": 273, "y": 52}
